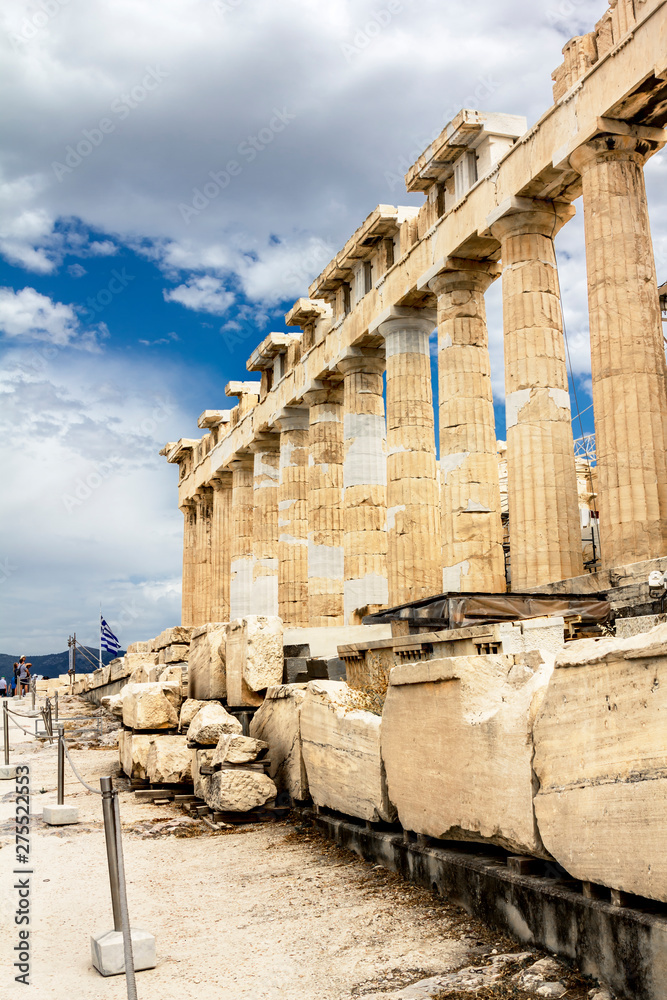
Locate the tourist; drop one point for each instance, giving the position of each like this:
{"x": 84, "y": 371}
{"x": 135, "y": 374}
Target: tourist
{"x": 15, "y": 680}
{"x": 3, "y": 687}
{"x": 24, "y": 677}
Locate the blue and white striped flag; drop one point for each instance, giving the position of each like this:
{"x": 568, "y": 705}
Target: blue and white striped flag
{"x": 108, "y": 640}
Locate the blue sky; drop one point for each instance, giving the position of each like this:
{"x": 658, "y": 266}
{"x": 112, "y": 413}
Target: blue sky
{"x": 133, "y": 287}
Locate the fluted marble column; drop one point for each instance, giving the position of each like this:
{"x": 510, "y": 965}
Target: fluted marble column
{"x": 221, "y": 529}
{"x": 266, "y": 450}
{"x": 189, "y": 508}
{"x": 325, "y": 511}
{"x": 201, "y": 610}
{"x": 472, "y": 533}
{"x": 241, "y": 570}
{"x": 293, "y": 516}
{"x": 545, "y": 535}
{"x": 627, "y": 350}
{"x": 413, "y": 502}
{"x": 364, "y": 483}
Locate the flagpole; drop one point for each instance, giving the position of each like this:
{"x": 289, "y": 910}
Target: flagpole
{"x": 100, "y": 649}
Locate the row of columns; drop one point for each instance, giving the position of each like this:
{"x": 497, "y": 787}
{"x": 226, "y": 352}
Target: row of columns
{"x": 339, "y": 510}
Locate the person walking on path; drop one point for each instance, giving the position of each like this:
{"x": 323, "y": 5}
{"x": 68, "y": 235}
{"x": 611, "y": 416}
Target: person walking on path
{"x": 3, "y": 687}
{"x": 24, "y": 676}
{"x": 15, "y": 680}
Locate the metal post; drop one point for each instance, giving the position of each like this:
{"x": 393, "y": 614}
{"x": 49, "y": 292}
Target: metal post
{"x": 112, "y": 853}
{"x": 56, "y": 700}
{"x": 33, "y": 688}
{"x": 61, "y": 765}
{"x": 5, "y": 729}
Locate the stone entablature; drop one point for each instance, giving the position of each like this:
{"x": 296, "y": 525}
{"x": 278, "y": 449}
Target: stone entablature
{"x": 492, "y": 194}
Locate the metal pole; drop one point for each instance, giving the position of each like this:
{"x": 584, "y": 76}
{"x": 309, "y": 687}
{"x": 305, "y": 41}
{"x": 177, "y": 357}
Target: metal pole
{"x": 112, "y": 852}
{"x": 61, "y": 765}
{"x": 33, "y": 687}
{"x": 56, "y": 699}
{"x": 5, "y": 729}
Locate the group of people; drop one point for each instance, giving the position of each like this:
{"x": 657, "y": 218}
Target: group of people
{"x": 20, "y": 682}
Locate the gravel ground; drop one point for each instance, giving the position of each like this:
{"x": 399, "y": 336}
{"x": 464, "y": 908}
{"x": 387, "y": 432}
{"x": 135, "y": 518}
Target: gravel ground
{"x": 263, "y": 911}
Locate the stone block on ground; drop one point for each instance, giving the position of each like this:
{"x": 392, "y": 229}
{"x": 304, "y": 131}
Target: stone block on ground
{"x": 210, "y": 723}
{"x": 278, "y": 723}
{"x": 133, "y": 750}
{"x": 601, "y": 760}
{"x": 178, "y": 634}
{"x": 189, "y": 709}
{"x": 60, "y": 815}
{"x": 201, "y": 782}
{"x": 114, "y": 704}
{"x": 254, "y": 651}
{"x": 151, "y": 706}
{"x": 341, "y": 751}
{"x": 206, "y": 663}
{"x": 172, "y": 674}
{"x": 169, "y": 760}
{"x": 295, "y": 670}
{"x": 108, "y": 954}
{"x": 232, "y": 749}
{"x": 239, "y": 790}
{"x": 457, "y": 746}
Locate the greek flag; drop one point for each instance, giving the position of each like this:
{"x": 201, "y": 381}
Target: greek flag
{"x": 108, "y": 640}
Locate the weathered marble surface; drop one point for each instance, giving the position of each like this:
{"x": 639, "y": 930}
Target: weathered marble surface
{"x": 239, "y": 790}
{"x": 278, "y": 722}
{"x": 341, "y": 751}
{"x": 169, "y": 760}
{"x": 206, "y": 664}
{"x": 133, "y": 750}
{"x": 601, "y": 760}
{"x": 254, "y": 658}
{"x": 210, "y": 723}
{"x": 151, "y": 705}
{"x": 457, "y": 746}
{"x": 233, "y": 749}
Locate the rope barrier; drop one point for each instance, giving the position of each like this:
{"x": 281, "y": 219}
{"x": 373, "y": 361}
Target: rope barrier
{"x": 18, "y": 725}
{"x": 22, "y": 715}
{"x": 76, "y": 773}
{"x": 125, "y": 916}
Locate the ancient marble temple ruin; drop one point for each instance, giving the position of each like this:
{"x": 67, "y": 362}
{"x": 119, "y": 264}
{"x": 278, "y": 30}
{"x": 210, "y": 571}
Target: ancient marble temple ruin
{"x": 315, "y": 500}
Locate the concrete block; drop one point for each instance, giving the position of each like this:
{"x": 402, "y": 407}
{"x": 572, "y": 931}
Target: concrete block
{"x": 108, "y": 956}
{"x": 7, "y": 771}
{"x": 56, "y": 815}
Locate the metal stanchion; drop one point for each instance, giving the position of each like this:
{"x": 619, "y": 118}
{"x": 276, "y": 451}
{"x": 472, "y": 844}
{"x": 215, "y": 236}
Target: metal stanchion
{"x": 61, "y": 766}
{"x": 56, "y": 701}
{"x": 112, "y": 854}
{"x": 122, "y": 950}
{"x": 33, "y": 692}
{"x": 7, "y": 770}
{"x": 60, "y": 814}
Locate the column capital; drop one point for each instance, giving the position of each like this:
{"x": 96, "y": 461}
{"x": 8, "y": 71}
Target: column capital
{"x": 361, "y": 359}
{"x": 318, "y": 392}
{"x": 465, "y": 273}
{"x": 221, "y": 481}
{"x": 187, "y": 505}
{"x": 266, "y": 441}
{"x": 525, "y": 216}
{"x": 292, "y": 418}
{"x": 608, "y": 146}
{"x": 241, "y": 461}
{"x": 409, "y": 316}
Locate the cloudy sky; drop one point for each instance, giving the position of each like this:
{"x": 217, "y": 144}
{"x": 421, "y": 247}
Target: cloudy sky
{"x": 133, "y": 286}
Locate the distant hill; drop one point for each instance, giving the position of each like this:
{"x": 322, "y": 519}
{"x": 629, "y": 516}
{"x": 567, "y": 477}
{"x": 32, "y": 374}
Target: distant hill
{"x": 53, "y": 664}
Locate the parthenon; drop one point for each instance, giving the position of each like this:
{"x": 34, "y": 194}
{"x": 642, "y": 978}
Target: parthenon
{"x": 308, "y": 501}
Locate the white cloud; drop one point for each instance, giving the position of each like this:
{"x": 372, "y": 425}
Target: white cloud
{"x": 32, "y": 316}
{"x": 76, "y": 271}
{"x": 205, "y": 294}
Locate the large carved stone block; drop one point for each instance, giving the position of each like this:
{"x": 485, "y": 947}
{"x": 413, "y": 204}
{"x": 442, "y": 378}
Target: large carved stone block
{"x": 239, "y": 790}
{"x": 169, "y": 760}
{"x": 133, "y": 750}
{"x": 151, "y": 706}
{"x": 177, "y": 634}
{"x": 210, "y": 723}
{"x": 189, "y": 709}
{"x": 254, "y": 652}
{"x": 278, "y": 723}
{"x": 457, "y": 746}
{"x": 601, "y": 760}
{"x": 201, "y": 782}
{"x": 206, "y": 664}
{"x": 341, "y": 751}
